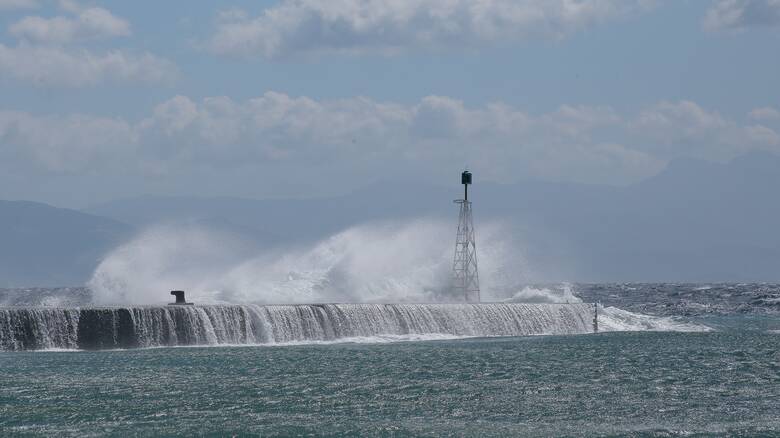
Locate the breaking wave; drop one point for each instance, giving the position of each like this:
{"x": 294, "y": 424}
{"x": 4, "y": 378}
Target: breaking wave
{"x": 564, "y": 294}
{"x": 371, "y": 264}
{"x": 613, "y": 319}
{"x": 374, "y": 263}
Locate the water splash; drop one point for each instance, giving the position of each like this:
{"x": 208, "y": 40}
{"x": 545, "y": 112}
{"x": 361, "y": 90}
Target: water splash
{"x": 375, "y": 263}
{"x": 613, "y": 319}
{"x": 563, "y": 294}
{"x": 380, "y": 262}
{"x": 163, "y": 258}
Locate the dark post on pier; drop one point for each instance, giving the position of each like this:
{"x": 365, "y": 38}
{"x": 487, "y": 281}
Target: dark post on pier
{"x": 179, "y": 294}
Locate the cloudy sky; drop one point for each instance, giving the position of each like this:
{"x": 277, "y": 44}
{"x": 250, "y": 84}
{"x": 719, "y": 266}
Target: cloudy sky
{"x": 306, "y": 98}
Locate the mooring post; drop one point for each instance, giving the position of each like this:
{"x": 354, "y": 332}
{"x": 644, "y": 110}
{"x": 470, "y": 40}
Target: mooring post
{"x": 179, "y": 294}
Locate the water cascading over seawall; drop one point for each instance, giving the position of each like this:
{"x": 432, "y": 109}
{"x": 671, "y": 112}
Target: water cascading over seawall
{"x": 131, "y": 327}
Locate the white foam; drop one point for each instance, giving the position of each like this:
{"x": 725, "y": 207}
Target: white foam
{"x": 383, "y": 339}
{"x": 545, "y": 295}
{"x": 613, "y": 319}
{"x": 380, "y": 262}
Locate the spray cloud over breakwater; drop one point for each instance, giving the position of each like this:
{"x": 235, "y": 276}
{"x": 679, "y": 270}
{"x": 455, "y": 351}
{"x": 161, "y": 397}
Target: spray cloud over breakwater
{"x": 383, "y": 262}
{"x": 377, "y": 263}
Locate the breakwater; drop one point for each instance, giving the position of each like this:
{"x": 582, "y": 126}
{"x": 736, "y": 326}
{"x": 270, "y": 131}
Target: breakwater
{"x": 92, "y": 328}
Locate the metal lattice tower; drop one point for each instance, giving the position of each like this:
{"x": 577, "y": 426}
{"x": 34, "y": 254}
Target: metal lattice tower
{"x": 464, "y": 266}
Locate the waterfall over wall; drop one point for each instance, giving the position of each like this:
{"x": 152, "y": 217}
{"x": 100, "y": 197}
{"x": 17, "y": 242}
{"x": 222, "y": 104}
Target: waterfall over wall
{"x": 129, "y": 327}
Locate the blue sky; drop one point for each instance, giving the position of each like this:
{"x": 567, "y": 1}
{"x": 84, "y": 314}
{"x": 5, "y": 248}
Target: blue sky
{"x": 100, "y": 100}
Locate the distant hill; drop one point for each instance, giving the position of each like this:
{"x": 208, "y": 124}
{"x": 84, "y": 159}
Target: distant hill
{"x": 42, "y": 245}
{"x": 282, "y": 220}
{"x": 701, "y": 221}
{"x": 695, "y": 221}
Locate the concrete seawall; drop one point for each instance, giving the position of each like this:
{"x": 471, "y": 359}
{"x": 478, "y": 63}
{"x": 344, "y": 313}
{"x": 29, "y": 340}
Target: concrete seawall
{"x": 94, "y": 328}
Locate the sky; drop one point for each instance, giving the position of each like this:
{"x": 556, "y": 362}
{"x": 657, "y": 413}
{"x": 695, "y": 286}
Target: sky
{"x": 312, "y": 98}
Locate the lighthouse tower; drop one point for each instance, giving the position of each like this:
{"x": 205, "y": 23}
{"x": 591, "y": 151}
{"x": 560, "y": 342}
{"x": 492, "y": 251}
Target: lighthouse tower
{"x": 464, "y": 266}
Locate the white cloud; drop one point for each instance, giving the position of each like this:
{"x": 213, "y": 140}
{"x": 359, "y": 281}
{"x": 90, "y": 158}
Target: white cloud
{"x": 765, "y": 113}
{"x": 377, "y": 26}
{"x": 572, "y": 143}
{"x": 741, "y": 14}
{"x": 74, "y": 143}
{"x": 759, "y": 134}
{"x": 90, "y": 23}
{"x": 57, "y": 66}
{"x": 675, "y": 127}
{"x": 17, "y": 4}
{"x": 301, "y": 138}
{"x": 70, "y": 5}
{"x": 273, "y": 127}
{"x": 49, "y": 54}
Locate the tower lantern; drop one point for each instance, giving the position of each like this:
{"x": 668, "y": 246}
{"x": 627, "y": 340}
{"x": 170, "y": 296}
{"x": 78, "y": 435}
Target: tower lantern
{"x": 464, "y": 266}
{"x": 465, "y": 179}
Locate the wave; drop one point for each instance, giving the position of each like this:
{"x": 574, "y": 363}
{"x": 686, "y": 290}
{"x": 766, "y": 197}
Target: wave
{"x": 399, "y": 262}
{"x": 613, "y": 319}
{"x": 552, "y": 295}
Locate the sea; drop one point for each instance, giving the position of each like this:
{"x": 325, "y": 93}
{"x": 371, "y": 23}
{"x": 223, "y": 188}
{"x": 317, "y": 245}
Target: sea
{"x": 670, "y": 360}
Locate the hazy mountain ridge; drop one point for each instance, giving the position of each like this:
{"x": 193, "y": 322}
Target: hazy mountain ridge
{"x": 672, "y": 227}
{"x": 41, "y": 245}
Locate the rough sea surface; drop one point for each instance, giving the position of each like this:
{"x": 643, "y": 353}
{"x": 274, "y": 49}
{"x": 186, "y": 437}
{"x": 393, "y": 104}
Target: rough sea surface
{"x": 633, "y": 383}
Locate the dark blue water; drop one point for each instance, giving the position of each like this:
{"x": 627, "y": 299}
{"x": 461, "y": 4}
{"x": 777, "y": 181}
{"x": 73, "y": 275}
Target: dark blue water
{"x": 662, "y": 384}
{"x": 723, "y": 382}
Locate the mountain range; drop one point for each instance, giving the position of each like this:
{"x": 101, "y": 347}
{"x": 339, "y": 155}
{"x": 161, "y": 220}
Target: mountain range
{"x": 696, "y": 221}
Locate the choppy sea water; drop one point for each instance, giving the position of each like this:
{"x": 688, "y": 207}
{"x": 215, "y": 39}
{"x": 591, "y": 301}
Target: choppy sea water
{"x": 643, "y": 383}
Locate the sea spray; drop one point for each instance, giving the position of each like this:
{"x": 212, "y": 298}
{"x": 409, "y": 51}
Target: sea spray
{"x": 548, "y": 294}
{"x": 379, "y": 262}
{"x": 613, "y": 319}
{"x": 164, "y": 258}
